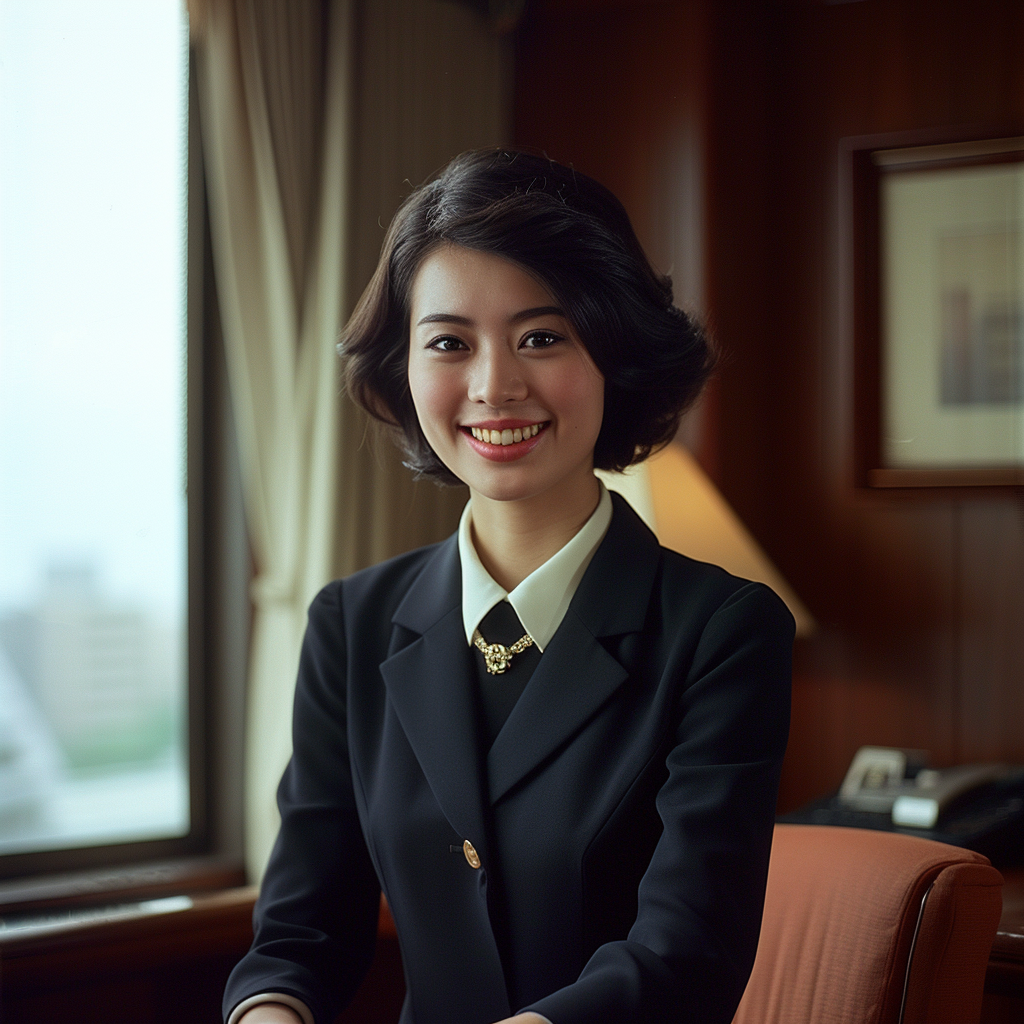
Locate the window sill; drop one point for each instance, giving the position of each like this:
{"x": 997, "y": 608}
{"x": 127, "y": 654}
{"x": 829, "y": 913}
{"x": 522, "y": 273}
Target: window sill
{"x": 107, "y": 886}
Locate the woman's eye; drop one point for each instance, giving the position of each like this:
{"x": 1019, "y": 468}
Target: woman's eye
{"x": 540, "y": 339}
{"x": 447, "y": 343}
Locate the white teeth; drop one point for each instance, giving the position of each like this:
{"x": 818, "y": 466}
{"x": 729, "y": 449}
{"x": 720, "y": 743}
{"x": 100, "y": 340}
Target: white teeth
{"x": 505, "y": 437}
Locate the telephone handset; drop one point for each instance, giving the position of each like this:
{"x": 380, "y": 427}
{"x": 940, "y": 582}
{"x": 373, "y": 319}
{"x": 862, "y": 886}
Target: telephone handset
{"x": 978, "y": 806}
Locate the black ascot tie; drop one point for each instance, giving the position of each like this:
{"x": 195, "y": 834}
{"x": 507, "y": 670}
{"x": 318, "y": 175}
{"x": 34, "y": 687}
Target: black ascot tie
{"x": 499, "y": 693}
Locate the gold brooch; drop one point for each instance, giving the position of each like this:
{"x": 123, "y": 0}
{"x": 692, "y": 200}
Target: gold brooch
{"x": 498, "y": 657}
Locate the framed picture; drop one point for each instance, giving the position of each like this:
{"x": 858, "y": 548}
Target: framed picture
{"x": 938, "y": 236}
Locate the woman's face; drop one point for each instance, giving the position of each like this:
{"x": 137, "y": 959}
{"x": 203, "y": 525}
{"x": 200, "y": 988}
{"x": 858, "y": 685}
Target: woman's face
{"x": 504, "y": 390}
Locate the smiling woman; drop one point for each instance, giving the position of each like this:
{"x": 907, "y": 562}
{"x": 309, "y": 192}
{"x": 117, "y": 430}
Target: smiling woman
{"x": 554, "y": 745}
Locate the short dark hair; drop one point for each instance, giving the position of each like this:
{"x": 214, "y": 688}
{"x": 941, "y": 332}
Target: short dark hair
{"x": 574, "y": 236}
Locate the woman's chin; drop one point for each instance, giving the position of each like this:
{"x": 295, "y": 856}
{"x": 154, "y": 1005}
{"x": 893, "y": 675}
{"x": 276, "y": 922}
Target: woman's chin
{"x": 509, "y": 485}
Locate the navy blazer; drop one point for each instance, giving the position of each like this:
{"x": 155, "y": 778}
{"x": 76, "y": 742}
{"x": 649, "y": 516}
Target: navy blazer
{"x": 622, "y": 817}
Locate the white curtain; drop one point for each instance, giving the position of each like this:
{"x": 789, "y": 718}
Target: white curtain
{"x": 314, "y": 113}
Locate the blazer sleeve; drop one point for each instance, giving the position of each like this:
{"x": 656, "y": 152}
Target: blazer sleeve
{"x": 691, "y": 948}
{"x": 316, "y": 918}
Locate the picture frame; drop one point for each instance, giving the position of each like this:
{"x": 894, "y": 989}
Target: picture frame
{"x": 938, "y": 311}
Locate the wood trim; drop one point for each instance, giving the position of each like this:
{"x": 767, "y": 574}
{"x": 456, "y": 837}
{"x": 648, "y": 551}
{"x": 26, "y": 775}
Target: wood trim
{"x": 1009, "y": 477}
{"x": 864, "y": 217}
{"x": 119, "y": 884}
{"x": 210, "y": 925}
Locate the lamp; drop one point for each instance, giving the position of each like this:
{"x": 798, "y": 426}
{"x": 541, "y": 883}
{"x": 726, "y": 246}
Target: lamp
{"x": 674, "y": 496}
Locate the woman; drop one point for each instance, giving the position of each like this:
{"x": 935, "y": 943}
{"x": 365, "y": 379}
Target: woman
{"x": 554, "y": 744}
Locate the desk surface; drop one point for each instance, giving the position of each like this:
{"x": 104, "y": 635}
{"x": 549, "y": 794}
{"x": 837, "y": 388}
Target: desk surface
{"x": 1004, "y": 980}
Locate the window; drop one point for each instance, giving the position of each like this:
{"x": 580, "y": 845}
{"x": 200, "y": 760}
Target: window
{"x": 100, "y": 750}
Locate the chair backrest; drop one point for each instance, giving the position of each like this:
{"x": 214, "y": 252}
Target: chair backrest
{"x": 864, "y": 927}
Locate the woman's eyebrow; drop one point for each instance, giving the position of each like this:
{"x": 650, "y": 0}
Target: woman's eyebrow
{"x": 515, "y": 318}
{"x": 445, "y": 318}
{"x": 529, "y": 314}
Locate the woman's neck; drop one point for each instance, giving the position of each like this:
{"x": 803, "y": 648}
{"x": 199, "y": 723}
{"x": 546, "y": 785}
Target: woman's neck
{"x": 512, "y": 538}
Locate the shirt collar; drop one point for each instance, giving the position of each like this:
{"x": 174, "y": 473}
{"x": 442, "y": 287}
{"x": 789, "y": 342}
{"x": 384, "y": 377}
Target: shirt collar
{"x": 542, "y": 599}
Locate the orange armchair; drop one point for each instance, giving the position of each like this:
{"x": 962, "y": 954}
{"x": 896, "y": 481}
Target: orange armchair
{"x": 873, "y": 928}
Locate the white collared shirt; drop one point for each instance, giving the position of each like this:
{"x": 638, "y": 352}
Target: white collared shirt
{"x": 542, "y": 599}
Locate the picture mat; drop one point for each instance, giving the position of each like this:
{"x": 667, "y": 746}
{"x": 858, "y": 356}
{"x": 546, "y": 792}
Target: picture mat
{"x": 949, "y": 233}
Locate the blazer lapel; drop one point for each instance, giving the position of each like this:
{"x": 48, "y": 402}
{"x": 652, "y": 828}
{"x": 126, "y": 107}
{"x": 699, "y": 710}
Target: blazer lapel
{"x": 430, "y": 685}
{"x": 576, "y": 674}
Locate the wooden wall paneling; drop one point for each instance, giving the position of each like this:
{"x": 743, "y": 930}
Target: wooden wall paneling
{"x": 799, "y": 452}
{"x": 881, "y": 669}
{"x": 615, "y": 90}
{"x": 751, "y": 393}
{"x": 990, "y": 652}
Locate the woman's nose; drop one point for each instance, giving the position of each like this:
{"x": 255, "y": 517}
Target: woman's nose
{"x": 496, "y": 377}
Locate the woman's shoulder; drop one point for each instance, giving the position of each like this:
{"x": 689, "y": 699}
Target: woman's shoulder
{"x": 689, "y": 594}
{"x": 382, "y": 586}
{"x": 688, "y": 582}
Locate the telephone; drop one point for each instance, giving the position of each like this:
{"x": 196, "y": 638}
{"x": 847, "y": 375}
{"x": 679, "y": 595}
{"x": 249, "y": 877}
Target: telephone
{"x": 977, "y": 806}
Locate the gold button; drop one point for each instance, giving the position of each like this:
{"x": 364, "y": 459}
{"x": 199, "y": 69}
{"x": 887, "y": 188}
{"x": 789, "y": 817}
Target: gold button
{"x": 471, "y": 855}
